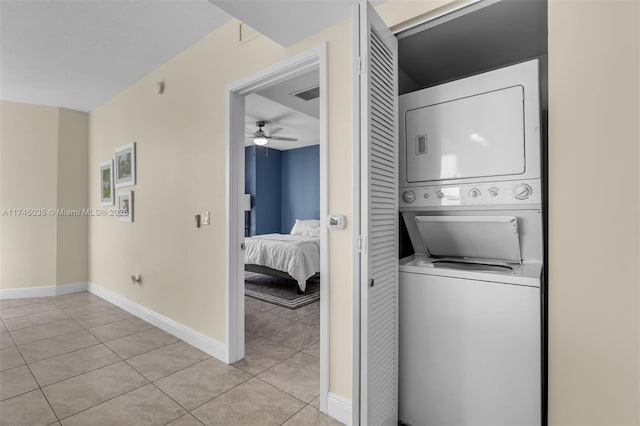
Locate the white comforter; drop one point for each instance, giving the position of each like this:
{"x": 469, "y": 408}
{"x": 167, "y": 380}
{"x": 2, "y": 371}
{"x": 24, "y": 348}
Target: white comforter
{"x": 297, "y": 255}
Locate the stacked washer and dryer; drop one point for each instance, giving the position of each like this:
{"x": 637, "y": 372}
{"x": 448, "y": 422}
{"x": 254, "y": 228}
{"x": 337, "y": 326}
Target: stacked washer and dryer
{"x": 470, "y": 304}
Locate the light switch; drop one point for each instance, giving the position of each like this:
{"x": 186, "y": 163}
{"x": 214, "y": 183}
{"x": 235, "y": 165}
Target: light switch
{"x": 206, "y": 218}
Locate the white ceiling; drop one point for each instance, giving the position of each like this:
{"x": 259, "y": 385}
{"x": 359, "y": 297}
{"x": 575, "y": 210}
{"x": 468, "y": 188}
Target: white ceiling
{"x": 283, "y": 120}
{"x": 79, "y": 54}
{"x": 286, "y": 22}
{"x": 282, "y": 93}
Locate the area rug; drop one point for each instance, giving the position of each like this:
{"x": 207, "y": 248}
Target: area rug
{"x": 281, "y": 291}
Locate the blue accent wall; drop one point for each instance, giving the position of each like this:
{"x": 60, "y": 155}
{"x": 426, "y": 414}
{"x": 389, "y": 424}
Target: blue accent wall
{"x": 284, "y": 186}
{"x": 300, "y": 186}
{"x": 263, "y": 181}
{"x": 250, "y": 184}
{"x": 268, "y": 200}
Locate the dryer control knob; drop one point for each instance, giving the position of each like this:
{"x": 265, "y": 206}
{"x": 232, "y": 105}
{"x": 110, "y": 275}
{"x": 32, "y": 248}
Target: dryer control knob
{"x": 493, "y": 191}
{"x": 440, "y": 194}
{"x": 474, "y": 193}
{"x": 522, "y": 191}
{"x": 408, "y": 197}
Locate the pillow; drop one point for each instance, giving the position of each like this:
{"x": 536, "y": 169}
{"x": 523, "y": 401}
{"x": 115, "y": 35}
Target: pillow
{"x": 305, "y": 226}
{"x": 312, "y": 231}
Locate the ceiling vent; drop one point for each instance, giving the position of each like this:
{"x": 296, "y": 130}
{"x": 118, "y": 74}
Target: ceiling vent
{"x": 308, "y": 94}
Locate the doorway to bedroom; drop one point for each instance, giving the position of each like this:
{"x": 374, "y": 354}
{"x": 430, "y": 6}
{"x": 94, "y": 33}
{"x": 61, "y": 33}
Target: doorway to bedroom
{"x": 278, "y": 251}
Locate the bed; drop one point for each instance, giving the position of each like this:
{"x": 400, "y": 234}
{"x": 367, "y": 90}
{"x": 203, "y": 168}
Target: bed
{"x": 295, "y": 255}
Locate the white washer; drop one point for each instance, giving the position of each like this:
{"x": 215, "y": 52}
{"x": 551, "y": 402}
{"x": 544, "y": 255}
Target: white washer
{"x": 470, "y": 196}
{"x": 469, "y": 323}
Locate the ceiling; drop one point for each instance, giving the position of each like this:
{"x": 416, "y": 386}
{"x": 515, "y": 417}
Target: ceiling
{"x": 283, "y": 120}
{"x": 493, "y": 36}
{"x": 287, "y": 22}
{"x": 79, "y": 54}
{"x": 282, "y": 93}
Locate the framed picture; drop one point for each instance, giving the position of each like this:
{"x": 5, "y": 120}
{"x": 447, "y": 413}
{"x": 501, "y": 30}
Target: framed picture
{"x": 125, "y": 165}
{"x": 106, "y": 183}
{"x": 125, "y": 206}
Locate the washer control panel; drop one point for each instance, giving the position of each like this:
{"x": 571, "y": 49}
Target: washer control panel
{"x": 508, "y": 192}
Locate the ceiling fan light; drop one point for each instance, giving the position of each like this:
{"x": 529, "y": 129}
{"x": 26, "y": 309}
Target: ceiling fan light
{"x": 260, "y": 141}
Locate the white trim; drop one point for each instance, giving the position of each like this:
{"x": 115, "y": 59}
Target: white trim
{"x": 206, "y": 344}
{"x": 324, "y": 230}
{"x": 69, "y": 288}
{"x": 355, "y": 220}
{"x": 340, "y": 408}
{"x": 43, "y": 291}
{"x": 442, "y": 14}
{"x": 312, "y": 58}
{"x": 234, "y": 231}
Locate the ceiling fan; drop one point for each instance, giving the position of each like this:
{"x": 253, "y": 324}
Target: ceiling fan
{"x": 260, "y": 137}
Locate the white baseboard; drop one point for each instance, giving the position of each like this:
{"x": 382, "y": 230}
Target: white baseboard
{"x": 206, "y": 344}
{"x": 71, "y": 288}
{"x": 339, "y": 408}
{"x": 43, "y": 291}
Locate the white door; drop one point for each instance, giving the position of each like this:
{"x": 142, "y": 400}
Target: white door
{"x": 378, "y": 221}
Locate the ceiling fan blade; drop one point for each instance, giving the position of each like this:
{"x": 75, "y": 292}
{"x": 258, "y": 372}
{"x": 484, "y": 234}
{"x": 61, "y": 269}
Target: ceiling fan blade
{"x": 275, "y": 130}
{"x": 282, "y": 138}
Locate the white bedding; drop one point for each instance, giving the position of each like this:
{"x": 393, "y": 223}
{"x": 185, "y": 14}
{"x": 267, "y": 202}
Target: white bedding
{"x": 297, "y": 255}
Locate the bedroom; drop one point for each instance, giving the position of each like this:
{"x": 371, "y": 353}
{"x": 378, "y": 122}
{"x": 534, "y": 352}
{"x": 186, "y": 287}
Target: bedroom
{"x": 282, "y": 241}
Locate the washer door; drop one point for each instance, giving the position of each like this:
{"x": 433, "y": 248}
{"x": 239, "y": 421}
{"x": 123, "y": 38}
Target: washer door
{"x": 472, "y": 237}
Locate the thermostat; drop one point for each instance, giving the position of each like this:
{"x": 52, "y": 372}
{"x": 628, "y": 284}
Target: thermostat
{"x": 337, "y": 221}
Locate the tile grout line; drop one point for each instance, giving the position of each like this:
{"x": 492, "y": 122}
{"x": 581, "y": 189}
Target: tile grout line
{"x": 117, "y": 396}
{"x": 190, "y": 412}
{"x": 42, "y": 323}
{"x": 280, "y": 362}
{"x": 294, "y": 414}
{"x": 26, "y": 363}
{"x": 152, "y": 382}
{"x": 50, "y": 337}
{"x": 104, "y": 402}
{"x": 175, "y": 372}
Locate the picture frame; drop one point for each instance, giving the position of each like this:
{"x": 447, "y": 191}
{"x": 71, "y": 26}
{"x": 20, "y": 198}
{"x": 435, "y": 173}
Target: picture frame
{"x": 106, "y": 183}
{"x": 125, "y": 204}
{"x": 124, "y": 165}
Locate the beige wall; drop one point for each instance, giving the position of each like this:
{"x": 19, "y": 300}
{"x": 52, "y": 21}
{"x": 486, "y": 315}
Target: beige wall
{"x": 594, "y": 235}
{"x": 28, "y": 177}
{"x": 73, "y": 193}
{"x": 594, "y": 324}
{"x": 181, "y": 160}
{"x": 181, "y": 172}
{"x": 42, "y": 158}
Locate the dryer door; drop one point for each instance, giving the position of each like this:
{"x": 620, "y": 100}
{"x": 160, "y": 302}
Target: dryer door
{"x": 472, "y": 137}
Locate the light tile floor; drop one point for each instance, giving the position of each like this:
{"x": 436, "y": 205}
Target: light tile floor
{"x": 79, "y": 360}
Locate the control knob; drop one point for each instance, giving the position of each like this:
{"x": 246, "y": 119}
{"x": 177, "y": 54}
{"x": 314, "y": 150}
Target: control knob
{"x": 493, "y": 191}
{"x": 440, "y": 194}
{"x": 408, "y": 197}
{"x": 474, "y": 193}
{"x": 522, "y": 191}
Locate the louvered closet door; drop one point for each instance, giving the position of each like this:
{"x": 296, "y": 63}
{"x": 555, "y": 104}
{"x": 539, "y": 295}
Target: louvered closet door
{"x": 379, "y": 222}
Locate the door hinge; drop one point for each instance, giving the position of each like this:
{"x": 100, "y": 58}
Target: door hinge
{"x": 361, "y": 64}
{"x": 361, "y": 244}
